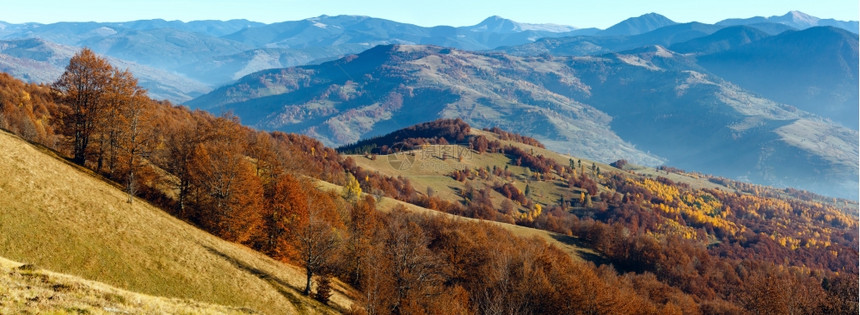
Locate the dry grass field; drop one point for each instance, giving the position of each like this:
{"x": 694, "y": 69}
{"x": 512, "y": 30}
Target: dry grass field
{"x": 63, "y": 218}
{"x": 27, "y": 289}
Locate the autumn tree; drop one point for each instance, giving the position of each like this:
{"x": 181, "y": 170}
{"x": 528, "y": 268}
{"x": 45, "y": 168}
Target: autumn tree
{"x": 127, "y": 135}
{"x": 415, "y": 271}
{"x": 842, "y": 295}
{"x": 181, "y": 135}
{"x": 118, "y": 95}
{"x": 83, "y": 87}
{"x": 619, "y": 164}
{"x": 323, "y": 289}
{"x": 263, "y": 149}
{"x": 27, "y": 110}
{"x": 317, "y": 242}
{"x": 361, "y": 224}
{"x": 775, "y": 290}
{"x": 228, "y": 193}
{"x": 352, "y": 189}
{"x": 286, "y": 211}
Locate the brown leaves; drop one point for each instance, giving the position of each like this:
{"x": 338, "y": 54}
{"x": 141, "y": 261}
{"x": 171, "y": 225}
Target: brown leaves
{"x": 83, "y": 89}
{"x": 228, "y": 193}
{"x": 286, "y": 211}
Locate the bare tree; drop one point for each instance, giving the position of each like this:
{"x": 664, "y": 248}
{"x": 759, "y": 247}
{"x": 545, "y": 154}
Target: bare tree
{"x": 415, "y": 270}
{"x": 317, "y": 242}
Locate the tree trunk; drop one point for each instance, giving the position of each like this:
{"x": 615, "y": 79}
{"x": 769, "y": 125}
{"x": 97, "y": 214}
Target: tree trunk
{"x": 308, "y": 283}
{"x": 80, "y": 147}
{"x": 131, "y": 188}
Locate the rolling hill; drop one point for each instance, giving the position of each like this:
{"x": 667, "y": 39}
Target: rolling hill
{"x": 327, "y": 31}
{"x": 571, "y": 104}
{"x": 697, "y": 37}
{"x": 473, "y": 174}
{"x": 432, "y": 167}
{"x": 162, "y": 48}
{"x": 65, "y": 219}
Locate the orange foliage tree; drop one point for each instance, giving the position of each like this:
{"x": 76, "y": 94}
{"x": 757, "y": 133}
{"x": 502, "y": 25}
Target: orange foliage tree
{"x": 285, "y": 213}
{"x": 227, "y": 192}
{"x": 82, "y": 89}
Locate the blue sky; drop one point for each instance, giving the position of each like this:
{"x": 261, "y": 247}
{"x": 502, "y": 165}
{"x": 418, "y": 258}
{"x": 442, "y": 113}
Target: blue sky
{"x": 577, "y": 13}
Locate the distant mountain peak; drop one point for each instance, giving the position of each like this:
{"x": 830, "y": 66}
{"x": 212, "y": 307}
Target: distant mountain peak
{"x": 638, "y": 25}
{"x": 800, "y": 16}
{"x": 653, "y": 15}
{"x": 498, "y": 24}
{"x": 797, "y": 19}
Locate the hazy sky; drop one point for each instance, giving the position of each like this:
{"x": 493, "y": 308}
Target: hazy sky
{"x": 593, "y": 13}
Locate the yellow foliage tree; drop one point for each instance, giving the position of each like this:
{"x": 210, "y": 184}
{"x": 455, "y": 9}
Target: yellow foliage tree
{"x": 352, "y": 189}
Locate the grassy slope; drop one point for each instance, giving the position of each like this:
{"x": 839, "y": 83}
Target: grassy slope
{"x": 430, "y": 170}
{"x": 62, "y": 218}
{"x": 24, "y": 289}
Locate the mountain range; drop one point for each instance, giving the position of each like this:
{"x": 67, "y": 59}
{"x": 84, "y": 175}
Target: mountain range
{"x": 210, "y": 53}
{"x": 814, "y": 69}
{"x": 795, "y": 19}
{"x": 202, "y": 55}
{"x": 822, "y": 79}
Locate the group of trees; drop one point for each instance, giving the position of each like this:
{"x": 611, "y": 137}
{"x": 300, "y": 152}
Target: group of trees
{"x": 102, "y": 116}
{"x": 26, "y": 110}
{"x": 664, "y": 247}
{"x": 437, "y": 132}
{"x": 433, "y": 264}
{"x": 504, "y": 135}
